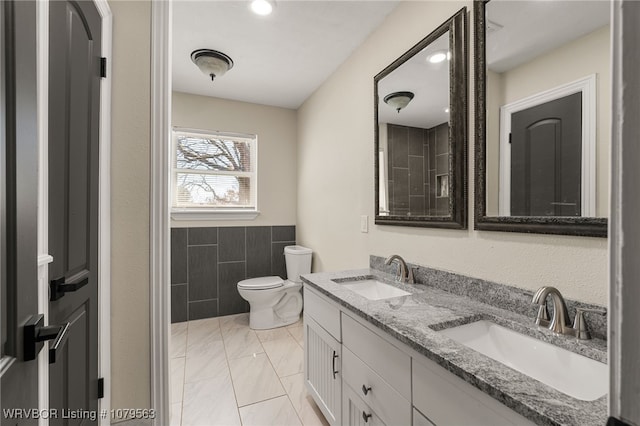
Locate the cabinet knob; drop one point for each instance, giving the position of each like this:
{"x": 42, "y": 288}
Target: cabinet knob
{"x": 365, "y": 389}
{"x": 366, "y": 417}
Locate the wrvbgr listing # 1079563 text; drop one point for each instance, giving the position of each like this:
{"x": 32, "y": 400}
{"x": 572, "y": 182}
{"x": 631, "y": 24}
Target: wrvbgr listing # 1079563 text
{"x": 92, "y": 415}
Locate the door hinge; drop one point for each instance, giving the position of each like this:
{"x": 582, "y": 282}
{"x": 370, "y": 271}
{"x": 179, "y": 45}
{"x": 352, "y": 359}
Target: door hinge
{"x": 510, "y": 137}
{"x": 101, "y": 387}
{"x": 103, "y": 67}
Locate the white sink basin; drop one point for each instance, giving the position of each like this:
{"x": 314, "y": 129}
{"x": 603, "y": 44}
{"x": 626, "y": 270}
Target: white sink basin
{"x": 570, "y": 373}
{"x": 373, "y": 289}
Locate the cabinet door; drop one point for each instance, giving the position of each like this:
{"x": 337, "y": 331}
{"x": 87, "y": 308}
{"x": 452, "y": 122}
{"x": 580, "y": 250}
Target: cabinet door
{"x": 322, "y": 369}
{"x": 355, "y": 412}
{"x": 420, "y": 420}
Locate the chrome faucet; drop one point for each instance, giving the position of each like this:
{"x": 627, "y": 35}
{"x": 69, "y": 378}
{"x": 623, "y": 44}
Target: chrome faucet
{"x": 559, "y": 322}
{"x": 404, "y": 273}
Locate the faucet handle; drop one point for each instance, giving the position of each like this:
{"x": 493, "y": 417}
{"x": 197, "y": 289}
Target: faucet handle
{"x": 580, "y": 324}
{"x": 411, "y": 279}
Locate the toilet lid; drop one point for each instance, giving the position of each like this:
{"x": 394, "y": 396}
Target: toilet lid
{"x": 262, "y": 283}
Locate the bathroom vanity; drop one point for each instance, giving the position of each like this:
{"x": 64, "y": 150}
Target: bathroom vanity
{"x": 373, "y": 359}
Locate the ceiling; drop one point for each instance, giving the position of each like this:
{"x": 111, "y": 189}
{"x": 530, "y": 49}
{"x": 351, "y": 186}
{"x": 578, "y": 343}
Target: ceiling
{"x": 428, "y": 82}
{"x": 518, "y": 31}
{"x": 280, "y": 59}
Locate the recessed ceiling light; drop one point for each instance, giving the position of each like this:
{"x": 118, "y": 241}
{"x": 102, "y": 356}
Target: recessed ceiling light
{"x": 446, "y": 110}
{"x": 262, "y": 7}
{"x": 438, "y": 57}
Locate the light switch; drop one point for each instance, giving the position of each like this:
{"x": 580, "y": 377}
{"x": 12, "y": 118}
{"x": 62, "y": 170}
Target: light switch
{"x": 364, "y": 223}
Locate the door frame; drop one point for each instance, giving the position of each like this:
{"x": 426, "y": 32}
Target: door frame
{"x": 624, "y": 231}
{"x": 586, "y": 86}
{"x": 624, "y": 35}
{"x": 104, "y": 203}
{"x": 159, "y": 222}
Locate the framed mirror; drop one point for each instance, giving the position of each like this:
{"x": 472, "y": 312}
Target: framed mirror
{"x": 543, "y": 116}
{"x": 420, "y": 109}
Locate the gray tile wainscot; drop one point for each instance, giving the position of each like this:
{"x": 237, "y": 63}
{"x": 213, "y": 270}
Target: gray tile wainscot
{"x": 414, "y": 320}
{"x": 208, "y": 262}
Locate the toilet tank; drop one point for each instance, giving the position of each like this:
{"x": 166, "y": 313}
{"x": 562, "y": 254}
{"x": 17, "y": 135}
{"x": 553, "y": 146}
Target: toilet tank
{"x": 298, "y": 260}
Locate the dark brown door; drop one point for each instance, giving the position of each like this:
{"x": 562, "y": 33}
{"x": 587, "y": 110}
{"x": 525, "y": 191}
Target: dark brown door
{"x": 546, "y": 159}
{"x": 18, "y": 210}
{"x": 74, "y": 105}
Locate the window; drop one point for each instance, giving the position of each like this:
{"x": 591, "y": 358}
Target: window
{"x": 214, "y": 175}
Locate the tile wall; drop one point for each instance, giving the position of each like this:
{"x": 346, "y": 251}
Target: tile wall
{"x": 418, "y": 161}
{"x": 207, "y": 263}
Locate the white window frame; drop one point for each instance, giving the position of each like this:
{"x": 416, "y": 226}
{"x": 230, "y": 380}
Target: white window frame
{"x": 210, "y": 212}
{"x": 586, "y": 86}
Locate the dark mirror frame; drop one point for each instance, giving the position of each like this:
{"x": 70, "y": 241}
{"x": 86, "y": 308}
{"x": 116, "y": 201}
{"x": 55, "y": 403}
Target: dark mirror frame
{"x": 458, "y": 72}
{"x": 561, "y": 225}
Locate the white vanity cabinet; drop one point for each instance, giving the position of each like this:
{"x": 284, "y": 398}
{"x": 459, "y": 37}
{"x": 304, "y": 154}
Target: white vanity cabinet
{"x": 377, "y": 371}
{"x": 420, "y": 420}
{"x": 447, "y": 400}
{"x": 323, "y": 356}
{"x": 359, "y": 375}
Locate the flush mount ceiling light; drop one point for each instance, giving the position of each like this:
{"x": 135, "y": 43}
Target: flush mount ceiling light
{"x": 263, "y": 7}
{"x": 439, "y": 56}
{"x": 398, "y": 100}
{"x": 211, "y": 62}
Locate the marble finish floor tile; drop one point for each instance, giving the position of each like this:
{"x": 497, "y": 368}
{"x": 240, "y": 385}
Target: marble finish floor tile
{"x": 302, "y": 402}
{"x": 177, "y": 379}
{"x": 286, "y": 355}
{"x": 210, "y": 402}
{"x": 273, "y": 334}
{"x": 272, "y": 412}
{"x": 202, "y": 332}
{"x": 254, "y": 379}
{"x": 297, "y": 332}
{"x": 206, "y": 362}
{"x": 241, "y": 342}
{"x": 222, "y": 373}
{"x": 234, "y": 321}
{"x": 178, "y": 345}
{"x": 297, "y": 323}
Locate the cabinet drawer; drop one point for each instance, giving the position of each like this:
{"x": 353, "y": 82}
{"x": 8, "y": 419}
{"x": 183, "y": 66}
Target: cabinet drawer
{"x": 322, "y": 311}
{"x": 355, "y": 412}
{"x": 393, "y": 365}
{"x": 388, "y": 404}
{"x": 448, "y": 400}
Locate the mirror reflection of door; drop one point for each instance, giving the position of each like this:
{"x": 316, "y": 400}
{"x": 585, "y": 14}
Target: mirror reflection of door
{"x": 533, "y": 50}
{"x": 546, "y": 156}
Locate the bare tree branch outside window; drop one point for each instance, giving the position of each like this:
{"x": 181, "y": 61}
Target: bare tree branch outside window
{"x": 213, "y": 171}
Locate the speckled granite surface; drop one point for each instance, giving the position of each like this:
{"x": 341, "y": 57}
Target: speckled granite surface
{"x": 414, "y": 320}
{"x": 506, "y": 297}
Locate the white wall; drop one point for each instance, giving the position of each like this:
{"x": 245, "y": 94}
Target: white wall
{"x": 494, "y": 100}
{"x": 336, "y": 184}
{"x": 277, "y": 151}
{"x": 130, "y": 146}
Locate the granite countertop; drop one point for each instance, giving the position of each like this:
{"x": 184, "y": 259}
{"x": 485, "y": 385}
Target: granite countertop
{"x": 415, "y": 319}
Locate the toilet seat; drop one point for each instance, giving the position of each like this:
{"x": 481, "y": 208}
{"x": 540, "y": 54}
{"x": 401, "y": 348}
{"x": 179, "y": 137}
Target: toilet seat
{"x": 262, "y": 283}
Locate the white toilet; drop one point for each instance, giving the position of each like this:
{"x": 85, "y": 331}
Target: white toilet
{"x": 274, "y": 302}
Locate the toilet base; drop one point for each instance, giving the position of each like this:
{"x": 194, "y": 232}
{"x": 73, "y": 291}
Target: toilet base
{"x": 273, "y": 307}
